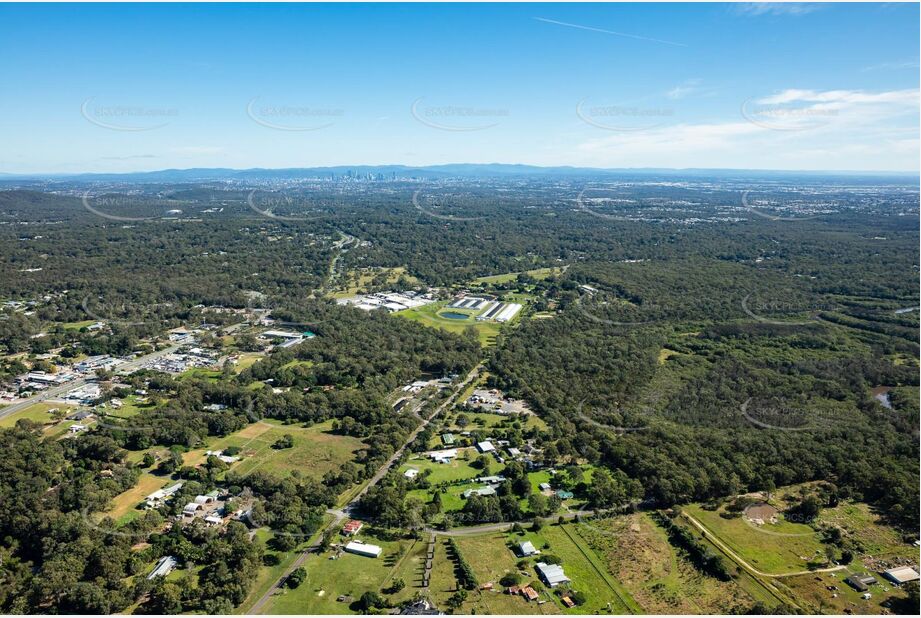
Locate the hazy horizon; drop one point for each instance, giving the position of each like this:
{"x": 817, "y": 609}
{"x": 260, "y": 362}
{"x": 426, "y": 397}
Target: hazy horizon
{"x": 132, "y": 88}
{"x": 574, "y": 168}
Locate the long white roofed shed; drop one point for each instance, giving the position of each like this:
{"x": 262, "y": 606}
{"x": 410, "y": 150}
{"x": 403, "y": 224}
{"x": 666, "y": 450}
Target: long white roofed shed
{"x": 901, "y": 575}
{"x": 363, "y": 549}
{"x": 163, "y": 567}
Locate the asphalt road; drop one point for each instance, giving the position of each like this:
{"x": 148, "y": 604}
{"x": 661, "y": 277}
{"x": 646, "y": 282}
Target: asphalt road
{"x": 340, "y": 514}
{"x": 55, "y": 391}
{"x": 502, "y": 526}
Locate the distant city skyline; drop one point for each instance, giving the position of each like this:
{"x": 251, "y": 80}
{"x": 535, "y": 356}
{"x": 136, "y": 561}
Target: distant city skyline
{"x": 124, "y": 88}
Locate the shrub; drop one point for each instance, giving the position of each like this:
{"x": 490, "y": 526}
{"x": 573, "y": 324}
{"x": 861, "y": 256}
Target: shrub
{"x": 296, "y": 578}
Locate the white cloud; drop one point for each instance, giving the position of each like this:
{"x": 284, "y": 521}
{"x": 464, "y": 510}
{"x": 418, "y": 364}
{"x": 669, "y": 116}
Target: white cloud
{"x": 775, "y": 8}
{"x": 797, "y": 110}
{"x": 793, "y": 129}
{"x": 891, "y": 66}
{"x": 843, "y": 98}
{"x": 684, "y": 138}
{"x": 684, "y": 89}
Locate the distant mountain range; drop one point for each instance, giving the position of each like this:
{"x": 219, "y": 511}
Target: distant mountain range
{"x": 434, "y": 172}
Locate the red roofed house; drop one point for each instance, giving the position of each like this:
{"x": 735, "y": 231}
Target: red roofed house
{"x": 352, "y": 527}
{"x": 529, "y": 593}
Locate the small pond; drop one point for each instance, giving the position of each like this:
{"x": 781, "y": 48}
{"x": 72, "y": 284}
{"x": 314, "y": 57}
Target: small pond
{"x": 451, "y": 315}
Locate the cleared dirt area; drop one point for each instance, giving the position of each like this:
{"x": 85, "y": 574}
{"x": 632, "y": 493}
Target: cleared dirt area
{"x": 254, "y": 431}
{"x": 763, "y": 511}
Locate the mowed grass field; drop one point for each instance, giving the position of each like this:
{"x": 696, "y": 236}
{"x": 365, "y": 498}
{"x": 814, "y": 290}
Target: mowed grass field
{"x": 491, "y": 558}
{"x": 774, "y": 554}
{"x": 348, "y": 574}
{"x": 37, "y": 412}
{"x": 247, "y": 360}
{"x": 77, "y": 325}
{"x": 453, "y": 500}
{"x": 316, "y": 450}
{"x": 537, "y": 273}
{"x": 268, "y": 575}
{"x": 480, "y": 421}
{"x": 429, "y": 316}
{"x": 458, "y": 469}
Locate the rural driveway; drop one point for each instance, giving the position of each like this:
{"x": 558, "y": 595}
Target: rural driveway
{"x": 716, "y": 541}
{"x": 340, "y": 514}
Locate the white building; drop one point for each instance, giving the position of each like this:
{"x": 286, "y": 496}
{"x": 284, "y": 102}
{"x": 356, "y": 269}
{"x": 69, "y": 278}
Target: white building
{"x": 480, "y": 491}
{"x": 443, "y": 456}
{"x": 159, "y": 497}
{"x": 527, "y": 549}
{"x": 190, "y": 510}
{"x": 901, "y": 575}
{"x": 552, "y": 574}
{"x": 48, "y": 378}
{"x": 485, "y": 447}
{"x": 508, "y": 312}
{"x": 363, "y": 549}
{"x": 163, "y": 567}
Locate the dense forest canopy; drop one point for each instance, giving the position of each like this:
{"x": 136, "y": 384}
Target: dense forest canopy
{"x": 693, "y": 346}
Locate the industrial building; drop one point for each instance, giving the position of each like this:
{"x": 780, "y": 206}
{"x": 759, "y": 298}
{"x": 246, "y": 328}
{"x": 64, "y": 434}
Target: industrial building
{"x": 508, "y": 312}
{"x": 470, "y": 302}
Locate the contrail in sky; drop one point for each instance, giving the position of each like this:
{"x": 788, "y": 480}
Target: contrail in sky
{"x": 623, "y": 34}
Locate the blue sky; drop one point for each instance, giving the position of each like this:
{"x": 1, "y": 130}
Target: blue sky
{"x": 769, "y": 86}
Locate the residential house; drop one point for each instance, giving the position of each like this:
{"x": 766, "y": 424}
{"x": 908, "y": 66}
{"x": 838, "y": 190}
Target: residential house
{"x": 352, "y": 527}
{"x": 526, "y": 548}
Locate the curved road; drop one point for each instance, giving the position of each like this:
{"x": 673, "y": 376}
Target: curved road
{"x": 716, "y": 541}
